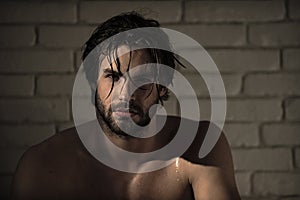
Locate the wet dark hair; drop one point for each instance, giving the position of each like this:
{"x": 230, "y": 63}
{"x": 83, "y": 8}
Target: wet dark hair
{"x": 116, "y": 25}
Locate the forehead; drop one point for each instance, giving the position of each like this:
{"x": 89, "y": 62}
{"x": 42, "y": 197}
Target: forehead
{"x": 127, "y": 59}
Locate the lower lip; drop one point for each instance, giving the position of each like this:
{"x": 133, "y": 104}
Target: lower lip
{"x": 124, "y": 114}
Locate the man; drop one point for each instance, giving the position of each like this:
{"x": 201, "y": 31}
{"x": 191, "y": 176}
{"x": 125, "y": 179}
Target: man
{"x": 62, "y": 168}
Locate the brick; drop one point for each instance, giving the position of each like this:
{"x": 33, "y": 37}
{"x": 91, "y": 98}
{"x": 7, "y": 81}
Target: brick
{"x": 242, "y": 134}
{"x": 292, "y": 107}
{"x": 297, "y": 157}
{"x": 291, "y": 59}
{"x": 243, "y": 183}
{"x": 5, "y": 186}
{"x": 281, "y": 134}
{"x": 17, "y": 36}
{"x": 97, "y": 12}
{"x": 276, "y": 183}
{"x": 280, "y": 34}
{"x": 209, "y": 35}
{"x": 24, "y": 135}
{"x": 37, "y": 12}
{"x": 16, "y": 85}
{"x": 290, "y": 198}
{"x": 9, "y": 159}
{"x": 35, "y": 110}
{"x": 249, "y": 110}
{"x": 186, "y": 105}
{"x": 64, "y": 36}
{"x": 231, "y": 60}
{"x": 272, "y": 84}
{"x": 233, "y": 11}
{"x": 254, "y": 110}
{"x": 78, "y": 60}
{"x": 294, "y": 7}
{"x": 262, "y": 159}
{"x": 36, "y": 61}
{"x": 55, "y": 84}
{"x": 232, "y": 85}
{"x": 245, "y": 60}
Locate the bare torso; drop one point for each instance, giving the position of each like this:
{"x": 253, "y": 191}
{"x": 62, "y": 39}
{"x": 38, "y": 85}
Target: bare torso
{"x": 71, "y": 172}
{"x": 61, "y": 168}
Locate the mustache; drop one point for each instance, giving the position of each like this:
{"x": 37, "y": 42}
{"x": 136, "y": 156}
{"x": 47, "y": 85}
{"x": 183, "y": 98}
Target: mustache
{"x": 131, "y": 106}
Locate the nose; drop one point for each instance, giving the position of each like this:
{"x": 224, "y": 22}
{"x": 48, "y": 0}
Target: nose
{"x": 123, "y": 90}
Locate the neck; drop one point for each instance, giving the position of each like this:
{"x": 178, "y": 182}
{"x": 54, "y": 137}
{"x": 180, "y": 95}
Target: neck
{"x": 131, "y": 143}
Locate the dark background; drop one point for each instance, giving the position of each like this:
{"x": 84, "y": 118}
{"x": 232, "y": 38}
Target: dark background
{"x": 255, "y": 44}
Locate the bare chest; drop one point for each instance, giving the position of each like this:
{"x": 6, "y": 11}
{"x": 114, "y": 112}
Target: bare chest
{"x": 105, "y": 183}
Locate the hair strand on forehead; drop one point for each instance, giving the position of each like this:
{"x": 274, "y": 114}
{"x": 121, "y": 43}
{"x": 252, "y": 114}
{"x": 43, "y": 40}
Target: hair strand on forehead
{"x": 133, "y": 40}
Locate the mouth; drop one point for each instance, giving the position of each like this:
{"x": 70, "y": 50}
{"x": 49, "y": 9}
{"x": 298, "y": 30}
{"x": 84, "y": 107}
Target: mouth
{"x": 123, "y": 112}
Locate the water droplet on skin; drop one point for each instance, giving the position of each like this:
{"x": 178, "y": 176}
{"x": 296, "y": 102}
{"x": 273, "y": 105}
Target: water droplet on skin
{"x": 177, "y": 168}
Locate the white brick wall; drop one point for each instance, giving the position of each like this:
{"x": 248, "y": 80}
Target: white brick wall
{"x": 292, "y": 109}
{"x": 276, "y": 183}
{"x": 214, "y": 35}
{"x": 164, "y": 11}
{"x": 38, "y": 12}
{"x": 233, "y": 11}
{"x": 17, "y": 36}
{"x": 34, "y": 61}
{"x": 255, "y": 44}
{"x": 34, "y": 110}
{"x": 279, "y": 34}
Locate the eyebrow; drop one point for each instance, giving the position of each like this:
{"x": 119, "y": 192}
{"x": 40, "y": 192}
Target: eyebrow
{"x": 110, "y": 71}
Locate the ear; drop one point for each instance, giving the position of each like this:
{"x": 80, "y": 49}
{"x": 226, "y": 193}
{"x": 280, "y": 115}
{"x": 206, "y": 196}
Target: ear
{"x": 162, "y": 91}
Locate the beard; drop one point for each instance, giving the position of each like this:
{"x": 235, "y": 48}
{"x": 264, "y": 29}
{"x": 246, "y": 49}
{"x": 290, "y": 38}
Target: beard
{"x": 127, "y": 128}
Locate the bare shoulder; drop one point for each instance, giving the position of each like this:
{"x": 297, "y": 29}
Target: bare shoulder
{"x": 211, "y": 177}
{"x": 37, "y": 164}
{"x": 54, "y": 146}
{"x": 220, "y": 154}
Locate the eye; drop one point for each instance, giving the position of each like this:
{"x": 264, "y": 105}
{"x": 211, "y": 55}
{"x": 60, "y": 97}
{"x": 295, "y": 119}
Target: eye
{"x": 143, "y": 82}
{"x": 144, "y": 85}
{"x": 112, "y": 77}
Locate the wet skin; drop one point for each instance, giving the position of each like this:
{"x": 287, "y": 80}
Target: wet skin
{"x": 62, "y": 168}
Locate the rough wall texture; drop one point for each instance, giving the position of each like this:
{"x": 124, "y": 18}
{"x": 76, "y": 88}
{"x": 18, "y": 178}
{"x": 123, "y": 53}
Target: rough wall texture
{"x": 255, "y": 44}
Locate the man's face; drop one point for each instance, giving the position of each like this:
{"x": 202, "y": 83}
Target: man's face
{"x": 114, "y": 102}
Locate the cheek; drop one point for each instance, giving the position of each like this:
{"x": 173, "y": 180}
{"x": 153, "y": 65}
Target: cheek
{"x": 146, "y": 100}
{"x": 103, "y": 88}
{"x": 103, "y": 91}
